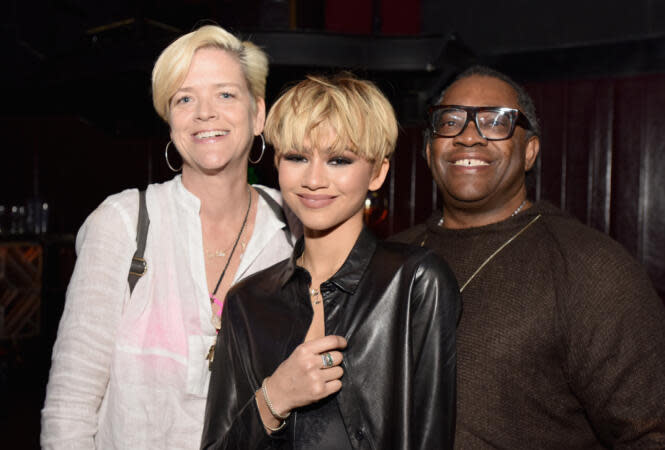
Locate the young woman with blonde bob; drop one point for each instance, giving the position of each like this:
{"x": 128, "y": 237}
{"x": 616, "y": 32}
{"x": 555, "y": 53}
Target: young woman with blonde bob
{"x": 350, "y": 343}
{"x": 130, "y": 370}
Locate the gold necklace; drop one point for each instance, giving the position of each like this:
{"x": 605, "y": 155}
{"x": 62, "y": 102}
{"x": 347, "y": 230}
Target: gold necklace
{"x": 496, "y": 252}
{"x": 210, "y": 254}
{"x": 313, "y": 293}
{"x": 314, "y": 296}
{"x": 217, "y": 314}
{"x": 519, "y": 208}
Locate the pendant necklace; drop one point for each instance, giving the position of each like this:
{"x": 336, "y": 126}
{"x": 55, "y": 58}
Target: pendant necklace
{"x": 498, "y": 250}
{"x": 217, "y": 316}
{"x": 313, "y": 293}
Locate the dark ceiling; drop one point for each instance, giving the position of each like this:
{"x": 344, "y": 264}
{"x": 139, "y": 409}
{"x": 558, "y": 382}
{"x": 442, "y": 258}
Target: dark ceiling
{"x": 93, "y": 59}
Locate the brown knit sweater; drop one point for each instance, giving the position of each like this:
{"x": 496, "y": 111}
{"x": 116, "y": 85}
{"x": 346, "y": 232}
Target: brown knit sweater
{"x": 561, "y": 343}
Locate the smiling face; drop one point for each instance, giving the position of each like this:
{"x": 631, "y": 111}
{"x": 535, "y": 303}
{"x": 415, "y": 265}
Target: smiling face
{"x": 325, "y": 189}
{"x": 473, "y": 173}
{"x": 213, "y": 118}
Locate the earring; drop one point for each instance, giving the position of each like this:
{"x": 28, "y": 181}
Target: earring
{"x": 263, "y": 149}
{"x": 166, "y": 156}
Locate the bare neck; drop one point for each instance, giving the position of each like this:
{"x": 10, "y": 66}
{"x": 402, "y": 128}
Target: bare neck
{"x": 457, "y": 218}
{"x": 223, "y": 196}
{"x": 325, "y": 252}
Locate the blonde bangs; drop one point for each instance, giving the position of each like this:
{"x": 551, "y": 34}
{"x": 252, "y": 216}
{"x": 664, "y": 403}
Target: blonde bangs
{"x": 355, "y": 110}
{"x": 171, "y": 67}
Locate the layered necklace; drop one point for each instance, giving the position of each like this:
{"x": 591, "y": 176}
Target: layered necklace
{"x": 314, "y": 294}
{"x": 216, "y": 303}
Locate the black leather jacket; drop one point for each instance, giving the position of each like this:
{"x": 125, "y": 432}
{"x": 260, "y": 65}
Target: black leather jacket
{"x": 396, "y": 305}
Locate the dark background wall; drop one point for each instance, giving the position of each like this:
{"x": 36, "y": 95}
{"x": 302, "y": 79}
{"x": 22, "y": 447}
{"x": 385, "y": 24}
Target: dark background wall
{"x": 77, "y": 123}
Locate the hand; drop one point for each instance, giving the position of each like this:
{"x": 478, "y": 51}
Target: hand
{"x": 302, "y": 379}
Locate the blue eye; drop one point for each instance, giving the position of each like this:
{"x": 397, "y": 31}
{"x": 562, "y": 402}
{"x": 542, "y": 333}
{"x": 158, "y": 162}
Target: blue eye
{"x": 226, "y": 95}
{"x": 184, "y": 99}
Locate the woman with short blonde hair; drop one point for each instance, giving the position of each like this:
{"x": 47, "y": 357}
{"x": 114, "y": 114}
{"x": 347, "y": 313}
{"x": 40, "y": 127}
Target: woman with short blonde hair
{"x": 131, "y": 368}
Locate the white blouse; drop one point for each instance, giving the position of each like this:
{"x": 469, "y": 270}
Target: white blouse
{"x": 132, "y": 373}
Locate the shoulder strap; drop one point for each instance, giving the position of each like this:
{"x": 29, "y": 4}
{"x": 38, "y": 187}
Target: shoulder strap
{"x": 276, "y": 209}
{"x": 139, "y": 267}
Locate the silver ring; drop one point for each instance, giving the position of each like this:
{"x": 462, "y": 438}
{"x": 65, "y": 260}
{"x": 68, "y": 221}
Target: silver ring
{"x": 328, "y": 361}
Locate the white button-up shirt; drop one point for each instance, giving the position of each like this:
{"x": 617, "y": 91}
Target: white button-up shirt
{"x": 131, "y": 373}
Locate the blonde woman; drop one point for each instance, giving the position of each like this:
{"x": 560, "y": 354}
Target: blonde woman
{"x": 350, "y": 343}
{"x": 131, "y": 371}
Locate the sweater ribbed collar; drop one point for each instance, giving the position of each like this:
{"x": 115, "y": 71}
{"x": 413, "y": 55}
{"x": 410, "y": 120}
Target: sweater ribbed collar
{"x": 543, "y": 208}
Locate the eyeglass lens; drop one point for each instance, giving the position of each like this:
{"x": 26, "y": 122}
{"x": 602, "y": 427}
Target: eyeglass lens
{"x": 492, "y": 124}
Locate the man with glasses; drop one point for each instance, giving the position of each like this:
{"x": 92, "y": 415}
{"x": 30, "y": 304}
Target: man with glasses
{"x": 561, "y": 342}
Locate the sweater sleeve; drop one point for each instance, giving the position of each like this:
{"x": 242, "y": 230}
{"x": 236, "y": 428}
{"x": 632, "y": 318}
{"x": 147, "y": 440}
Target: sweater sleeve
{"x": 435, "y": 310}
{"x": 82, "y": 352}
{"x": 615, "y": 332}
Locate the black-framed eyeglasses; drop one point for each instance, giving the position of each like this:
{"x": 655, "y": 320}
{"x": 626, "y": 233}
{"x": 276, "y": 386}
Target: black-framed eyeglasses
{"x": 493, "y": 123}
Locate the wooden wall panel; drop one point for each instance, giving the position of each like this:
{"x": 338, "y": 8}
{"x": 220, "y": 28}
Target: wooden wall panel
{"x": 627, "y": 165}
{"x": 576, "y": 158}
{"x": 653, "y": 181}
{"x": 403, "y": 190}
{"x": 599, "y": 179}
{"x": 549, "y": 175}
{"x": 413, "y": 194}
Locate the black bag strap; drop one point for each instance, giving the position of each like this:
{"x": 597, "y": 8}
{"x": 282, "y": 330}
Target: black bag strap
{"x": 276, "y": 209}
{"x": 139, "y": 266}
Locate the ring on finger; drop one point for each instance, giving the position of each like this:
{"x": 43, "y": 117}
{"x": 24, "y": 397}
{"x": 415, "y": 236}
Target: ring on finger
{"x": 327, "y": 360}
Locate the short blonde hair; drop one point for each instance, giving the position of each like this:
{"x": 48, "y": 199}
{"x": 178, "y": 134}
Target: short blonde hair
{"x": 173, "y": 64}
{"x": 356, "y": 110}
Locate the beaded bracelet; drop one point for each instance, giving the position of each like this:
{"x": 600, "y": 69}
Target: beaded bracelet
{"x": 275, "y": 414}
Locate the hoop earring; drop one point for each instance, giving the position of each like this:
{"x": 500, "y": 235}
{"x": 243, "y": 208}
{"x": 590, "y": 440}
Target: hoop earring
{"x": 166, "y": 156}
{"x": 263, "y": 149}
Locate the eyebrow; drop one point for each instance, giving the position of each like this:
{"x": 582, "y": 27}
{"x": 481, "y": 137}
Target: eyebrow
{"x": 217, "y": 85}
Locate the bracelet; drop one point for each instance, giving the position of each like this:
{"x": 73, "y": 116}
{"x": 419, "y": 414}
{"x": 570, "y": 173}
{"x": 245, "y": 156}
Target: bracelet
{"x": 275, "y": 414}
{"x": 276, "y": 429}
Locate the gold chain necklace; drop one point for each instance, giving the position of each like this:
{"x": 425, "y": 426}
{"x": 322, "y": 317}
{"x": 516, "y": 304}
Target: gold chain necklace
{"x": 210, "y": 254}
{"x": 519, "y": 208}
{"x": 496, "y": 252}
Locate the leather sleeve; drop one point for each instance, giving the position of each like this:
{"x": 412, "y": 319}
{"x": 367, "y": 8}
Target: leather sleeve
{"x": 435, "y": 308}
{"x": 232, "y": 419}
